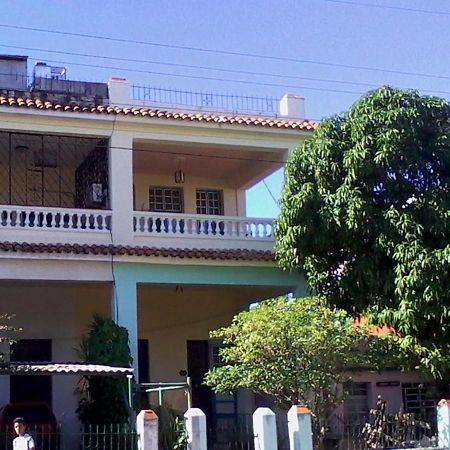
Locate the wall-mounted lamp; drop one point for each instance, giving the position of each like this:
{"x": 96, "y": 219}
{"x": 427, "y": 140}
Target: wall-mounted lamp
{"x": 179, "y": 176}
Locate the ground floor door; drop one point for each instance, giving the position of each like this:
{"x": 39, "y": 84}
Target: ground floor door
{"x": 220, "y": 409}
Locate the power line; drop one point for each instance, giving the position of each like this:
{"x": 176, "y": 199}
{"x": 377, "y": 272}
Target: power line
{"x": 397, "y": 8}
{"x": 226, "y": 80}
{"x": 224, "y": 52}
{"x": 189, "y": 66}
{"x": 199, "y": 77}
{"x": 271, "y": 194}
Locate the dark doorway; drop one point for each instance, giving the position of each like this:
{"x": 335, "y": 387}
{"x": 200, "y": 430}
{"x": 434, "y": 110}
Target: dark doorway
{"x": 36, "y": 388}
{"x": 198, "y": 365}
{"x": 143, "y": 361}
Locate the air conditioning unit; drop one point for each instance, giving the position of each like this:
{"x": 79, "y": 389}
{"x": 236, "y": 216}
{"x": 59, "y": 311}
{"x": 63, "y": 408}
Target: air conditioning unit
{"x": 96, "y": 193}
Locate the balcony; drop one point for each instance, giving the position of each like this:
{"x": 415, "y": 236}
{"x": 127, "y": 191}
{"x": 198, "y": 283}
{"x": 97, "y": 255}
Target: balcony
{"x": 211, "y": 230}
{"x": 70, "y": 190}
{"x": 36, "y": 224}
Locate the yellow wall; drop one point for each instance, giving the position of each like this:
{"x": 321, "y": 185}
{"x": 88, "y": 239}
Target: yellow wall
{"x": 169, "y": 317}
{"x": 232, "y": 198}
{"x": 57, "y": 311}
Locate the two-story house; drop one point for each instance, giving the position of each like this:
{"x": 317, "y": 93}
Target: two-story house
{"x": 137, "y": 213}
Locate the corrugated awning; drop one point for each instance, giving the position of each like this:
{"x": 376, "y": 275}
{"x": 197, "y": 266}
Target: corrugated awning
{"x": 50, "y": 368}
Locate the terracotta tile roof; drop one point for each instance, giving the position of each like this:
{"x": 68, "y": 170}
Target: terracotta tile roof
{"x": 118, "y": 250}
{"x": 35, "y": 103}
{"x": 380, "y": 331}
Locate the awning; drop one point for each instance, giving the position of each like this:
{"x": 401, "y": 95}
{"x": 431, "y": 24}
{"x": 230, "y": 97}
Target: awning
{"x": 40, "y": 368}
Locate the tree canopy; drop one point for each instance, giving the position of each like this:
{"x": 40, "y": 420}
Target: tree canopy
{"x": 366, "y": 214}
{"x": 297, "y": 351}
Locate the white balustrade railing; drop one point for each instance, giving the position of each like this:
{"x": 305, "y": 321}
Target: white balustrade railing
{"x": 199, "y": 225}
{"x": 36, "y": 217}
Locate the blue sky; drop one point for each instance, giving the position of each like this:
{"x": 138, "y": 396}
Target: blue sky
{"x": 391, "y": 36}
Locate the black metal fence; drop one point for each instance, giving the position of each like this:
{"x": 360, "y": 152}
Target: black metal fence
{"x": 92, "y": 437}
{"x": 208, "y": 101}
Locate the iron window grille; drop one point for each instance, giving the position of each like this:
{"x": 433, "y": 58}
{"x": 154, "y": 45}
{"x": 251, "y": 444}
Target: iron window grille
{"x": 209, "y": 202}
{"x": 166, "y": 199}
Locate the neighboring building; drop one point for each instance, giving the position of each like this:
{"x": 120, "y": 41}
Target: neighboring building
{"x": 134, "y": 212}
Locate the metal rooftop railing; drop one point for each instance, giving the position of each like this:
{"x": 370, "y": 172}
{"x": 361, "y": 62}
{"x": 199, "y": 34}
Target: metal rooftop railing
{"x": 204, "y": 101}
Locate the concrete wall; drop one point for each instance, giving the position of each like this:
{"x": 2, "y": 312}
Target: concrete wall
{"x": 393, "y": 394}
{"x": 60, "y": 312}
{"x": 233, "y": 199}
{"x": 170, "y": 316}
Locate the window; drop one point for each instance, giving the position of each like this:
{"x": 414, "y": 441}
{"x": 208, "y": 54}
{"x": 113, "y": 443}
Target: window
{"x": 166, "y": 199}
{"x": 355, "y": 404}
{"x": 209, "y": 202}
{"x": 420, "y": 399}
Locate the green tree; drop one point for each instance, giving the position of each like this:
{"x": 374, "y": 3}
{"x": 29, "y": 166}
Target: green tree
{"x": 103, "y": 400}
{"x": 296, "y": 351}
{"x": 366, "y": 214}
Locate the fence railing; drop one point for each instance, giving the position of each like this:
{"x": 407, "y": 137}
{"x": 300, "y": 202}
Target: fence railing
{"x": 199, "y": 225}
{"x": 108, "y": 437}
{"x": 30, "y": 217}
{"x": 90, "y": 437}
{"x": 207, "y": 101}
{"x": 46, "y": 437}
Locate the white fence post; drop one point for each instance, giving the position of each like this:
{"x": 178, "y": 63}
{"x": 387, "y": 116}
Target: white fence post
{"x": 195, "y": 421}
{"x": 147, "y": 430}
{"x": 300, "y": 428}
{"x": 265, "y": 429}
{"x": 443, "y": 423}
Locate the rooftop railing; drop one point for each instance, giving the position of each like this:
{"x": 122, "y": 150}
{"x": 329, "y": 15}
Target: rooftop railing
{"x": 204, "y": 101}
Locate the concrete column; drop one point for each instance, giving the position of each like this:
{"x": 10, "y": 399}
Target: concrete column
{"x": 241, "y": 207}
{"x": 121, "y": 187}
{"x": 300, "y": 428}
{"x": 147, "y": 430}
{"x": 265, "y": 429}
{"x": 292, "y": 106}
{"x": 125, "y": 312}
{"x": 195, "y": 421}
{"x": 443, "y": 423}
{"x": 119, "y": 92}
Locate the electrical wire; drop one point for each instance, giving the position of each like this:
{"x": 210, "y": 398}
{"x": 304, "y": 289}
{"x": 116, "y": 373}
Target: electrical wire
{"x": 190, "y": 66}
{"x": 227, "y": 80}
{"x": 223, "y": 52}
{"x": 392, "y": 7}
{"x": 279, "y": 163}
{"x": 199, "y": 77}
{"x": 271, "y": 194}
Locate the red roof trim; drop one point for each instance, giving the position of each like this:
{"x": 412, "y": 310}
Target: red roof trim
{"x": 267, "y": 122}
{"x": 117, "y": 250}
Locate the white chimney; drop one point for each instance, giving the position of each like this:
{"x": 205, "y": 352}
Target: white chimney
{"x": 119, "y": 92}
{"x": 292, "y": 106}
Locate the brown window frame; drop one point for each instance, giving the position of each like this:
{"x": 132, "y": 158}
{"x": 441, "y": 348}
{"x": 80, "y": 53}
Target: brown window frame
{"x": 163, "y": 208}
{"x": 208, "y": 207}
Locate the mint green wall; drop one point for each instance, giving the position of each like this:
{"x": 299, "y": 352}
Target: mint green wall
{"x": 209, "y": 275}
{"x": 128, "y": 275}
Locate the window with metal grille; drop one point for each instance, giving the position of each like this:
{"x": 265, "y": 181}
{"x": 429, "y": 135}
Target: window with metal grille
{"x": 165, "y": 199}
{"x": 355, "y": 404}
{"x": 209, "y": 202}
{"x": 420, "y": 399}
